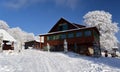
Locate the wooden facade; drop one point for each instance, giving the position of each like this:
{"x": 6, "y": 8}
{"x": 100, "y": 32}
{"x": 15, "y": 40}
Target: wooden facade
{"x": 80, "y": 39}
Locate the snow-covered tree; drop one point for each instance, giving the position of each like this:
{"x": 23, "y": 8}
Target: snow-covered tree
{"x": 103, "y": 21}
{"x": 3, "y": 25}
{"x": 1, "y": 42}
{"x": 20, "y": 35}
{"x": 37, "y": 38}
{"x": 30, "y": 37}
{"x": 118, "y": 46}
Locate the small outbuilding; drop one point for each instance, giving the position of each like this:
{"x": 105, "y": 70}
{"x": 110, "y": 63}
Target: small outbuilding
{"x": 34, "y": 44}
{"x": 6, "y": 40}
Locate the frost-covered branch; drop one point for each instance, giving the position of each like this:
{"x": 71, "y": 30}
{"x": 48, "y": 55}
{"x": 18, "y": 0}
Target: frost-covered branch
{"x": 103, "y": 21}
{"x": 20, "y": 35}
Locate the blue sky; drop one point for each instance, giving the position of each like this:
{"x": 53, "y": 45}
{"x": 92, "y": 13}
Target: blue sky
{"x": 38, "y": 16}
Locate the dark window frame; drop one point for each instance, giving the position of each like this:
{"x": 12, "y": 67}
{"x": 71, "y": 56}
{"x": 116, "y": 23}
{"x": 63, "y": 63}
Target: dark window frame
{"x": 87, "y": 33}
{"x": 79, "y": 34}
{"x": 70, "y": 35}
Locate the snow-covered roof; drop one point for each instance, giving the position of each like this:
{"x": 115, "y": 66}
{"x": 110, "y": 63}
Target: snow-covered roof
{"x": 37, "y": 39}
{"x": 62, "y": 21}
{"x": 6, "y": 36}
{"x": 66, "y": 31}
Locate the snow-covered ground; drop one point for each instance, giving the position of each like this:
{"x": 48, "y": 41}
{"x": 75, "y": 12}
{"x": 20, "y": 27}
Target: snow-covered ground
{"x": 39, "y": 61}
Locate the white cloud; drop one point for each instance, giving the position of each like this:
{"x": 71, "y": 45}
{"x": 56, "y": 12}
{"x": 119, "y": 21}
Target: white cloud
{"x": 72, "y": 3}
{"x": 16, "y": 4}
{"x": 60, "y": 2}
{"x": 69, "y": 3}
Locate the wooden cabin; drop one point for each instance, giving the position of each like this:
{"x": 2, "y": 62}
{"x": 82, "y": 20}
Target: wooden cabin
{"x": 33, "y": 44}
{"x": 81, "y": 39}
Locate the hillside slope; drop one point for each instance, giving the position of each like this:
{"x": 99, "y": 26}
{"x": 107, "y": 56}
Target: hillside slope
{"x": 38, "y": 61}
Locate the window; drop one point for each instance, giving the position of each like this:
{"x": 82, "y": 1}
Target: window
{"x": 49, "y": 38}
{"x": 70, "y": 35}
{"x": 53, "y": 37}
{"x": 65, "y": 26}
{"x": 88, "y": 33}
{"x": 62, "y": 27}
{"x": 63, "y": 36}
{"x": 57, "y": 37}
{"x": 78, "y": 34}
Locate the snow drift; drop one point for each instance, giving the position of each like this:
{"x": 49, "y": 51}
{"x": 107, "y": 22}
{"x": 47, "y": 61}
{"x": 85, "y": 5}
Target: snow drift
{"x": 38, "y": 61}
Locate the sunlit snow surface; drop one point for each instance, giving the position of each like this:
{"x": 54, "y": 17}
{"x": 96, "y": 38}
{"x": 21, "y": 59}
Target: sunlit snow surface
{"x": 39, "y": 61}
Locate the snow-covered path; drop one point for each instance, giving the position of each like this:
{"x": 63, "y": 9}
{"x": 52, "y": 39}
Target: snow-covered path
{"x": 38, "y": 61}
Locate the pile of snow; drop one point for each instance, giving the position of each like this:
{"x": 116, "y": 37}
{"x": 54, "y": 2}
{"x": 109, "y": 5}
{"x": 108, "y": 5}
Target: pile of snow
{"x": 38, "y": 61}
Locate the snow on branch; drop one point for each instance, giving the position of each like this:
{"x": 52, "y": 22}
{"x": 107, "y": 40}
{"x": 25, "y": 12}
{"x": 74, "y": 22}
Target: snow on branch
{"x": 17, "y": 32}
{"x": 103, "y": 21}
